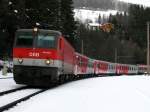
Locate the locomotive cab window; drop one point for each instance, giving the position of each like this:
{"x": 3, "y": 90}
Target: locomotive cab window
{"x": 46, "y": 41}
{"x": 24, "y": 40}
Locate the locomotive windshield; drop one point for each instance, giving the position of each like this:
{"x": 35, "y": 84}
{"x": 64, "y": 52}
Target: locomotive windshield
{"x": 40, "y": 40}
{"x": 45, "y": 41}
{"x": 24, "y": 39}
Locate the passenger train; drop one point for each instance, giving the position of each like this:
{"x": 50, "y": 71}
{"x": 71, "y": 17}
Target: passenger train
{"x": 44, "y": 57}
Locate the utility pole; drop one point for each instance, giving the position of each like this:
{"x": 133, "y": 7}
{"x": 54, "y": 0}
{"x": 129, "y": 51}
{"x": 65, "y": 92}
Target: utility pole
{"x": 82, "y": 47}
{"x": 148, "y": 58}
{"x": 116, "y": 55}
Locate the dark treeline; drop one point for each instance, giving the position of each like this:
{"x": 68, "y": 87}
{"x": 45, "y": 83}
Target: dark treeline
{"x": 102, "y": 4}
{"x": 51, "y": 14}
{"x": 128, "y": 39}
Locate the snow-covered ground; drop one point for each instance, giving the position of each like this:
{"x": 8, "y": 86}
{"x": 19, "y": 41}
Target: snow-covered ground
{"x": 7, "y": 82}
{"x": 6, "y": 99}
{"x": 8, "y": 75}
{"x": 102, "y": 94}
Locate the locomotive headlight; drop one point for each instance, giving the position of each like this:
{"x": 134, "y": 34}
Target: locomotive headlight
{"x": 20, "y": 60}
{"x": 35, "y": 29}
{"x": 48, "y": 61}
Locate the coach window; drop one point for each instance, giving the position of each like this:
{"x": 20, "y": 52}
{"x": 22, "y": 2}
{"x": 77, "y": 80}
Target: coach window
{"x": 111, "y": 67}
{"x": 90, "y": 64}
{"x": 80, "y": 61}
{"x": 100, "y": 65}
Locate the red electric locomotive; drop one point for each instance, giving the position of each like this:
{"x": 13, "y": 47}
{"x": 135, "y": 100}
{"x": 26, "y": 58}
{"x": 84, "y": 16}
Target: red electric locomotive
{"x": 42, "y": 57}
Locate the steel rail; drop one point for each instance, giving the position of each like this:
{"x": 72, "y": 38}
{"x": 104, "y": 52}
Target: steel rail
{"x": 12, "y": 104}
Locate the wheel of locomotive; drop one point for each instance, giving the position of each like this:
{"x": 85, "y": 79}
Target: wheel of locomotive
{"x": 71, "y": 77}
{"x": 66, "y": 78}
{"x": 61, "y": 79}
{"x": 16, "y": 78}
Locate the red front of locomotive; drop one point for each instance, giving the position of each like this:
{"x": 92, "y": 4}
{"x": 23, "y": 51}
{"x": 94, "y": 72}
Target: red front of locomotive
{"x": 39, "y": 58}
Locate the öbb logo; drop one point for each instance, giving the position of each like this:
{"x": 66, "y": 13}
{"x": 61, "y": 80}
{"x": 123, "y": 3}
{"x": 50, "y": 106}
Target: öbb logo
{"x": 34, "y": 54}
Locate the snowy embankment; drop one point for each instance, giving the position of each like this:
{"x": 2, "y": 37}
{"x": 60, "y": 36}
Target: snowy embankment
{"x": 102, "y": 94}
{"x": 7, "y": 82}
{"x": 8, "y": 75}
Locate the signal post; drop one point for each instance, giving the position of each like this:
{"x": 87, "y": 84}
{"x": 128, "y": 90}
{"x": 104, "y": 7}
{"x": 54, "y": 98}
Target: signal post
{"x": 148, "y": 52}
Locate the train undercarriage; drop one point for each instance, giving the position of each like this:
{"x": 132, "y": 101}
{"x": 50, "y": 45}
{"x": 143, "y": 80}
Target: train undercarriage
{"x": 40, "y": 77}
{"x": 36, "y": 76}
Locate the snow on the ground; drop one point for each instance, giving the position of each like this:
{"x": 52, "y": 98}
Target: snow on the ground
{"x": 6, "y": 99}
{"x": 7, "y": 82}
{"x": 102, "y": 94}
{"x": 8, "y": 75}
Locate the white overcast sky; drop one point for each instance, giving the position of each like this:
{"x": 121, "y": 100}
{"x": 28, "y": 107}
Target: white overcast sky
{"x": 142, "y": 2}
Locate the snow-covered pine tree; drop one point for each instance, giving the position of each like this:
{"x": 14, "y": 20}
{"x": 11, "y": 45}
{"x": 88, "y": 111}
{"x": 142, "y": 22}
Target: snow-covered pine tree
{"x": 68, "y": 25}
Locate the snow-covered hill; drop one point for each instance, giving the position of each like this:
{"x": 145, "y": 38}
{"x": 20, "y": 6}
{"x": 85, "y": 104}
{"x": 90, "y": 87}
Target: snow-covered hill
{"x": 85, "y": 14}
{"x": 140, "y": 2}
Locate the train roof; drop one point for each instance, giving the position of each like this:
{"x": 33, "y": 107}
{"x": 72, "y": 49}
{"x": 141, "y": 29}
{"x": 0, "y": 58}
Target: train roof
{"x": 41, "y": 30}
{"x": 79, "y": 54}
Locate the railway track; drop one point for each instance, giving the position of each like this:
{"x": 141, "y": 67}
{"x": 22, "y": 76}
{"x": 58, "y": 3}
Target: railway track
{"x": 8, "y": 94}
{"x": 12, "y": 90}
{"x": 7, "y": 78}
